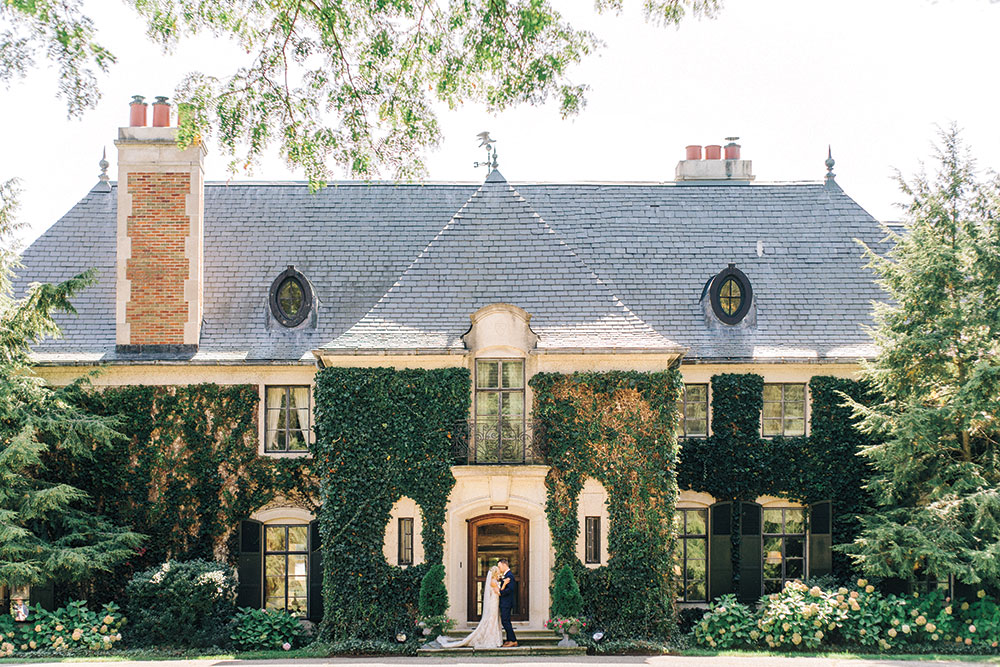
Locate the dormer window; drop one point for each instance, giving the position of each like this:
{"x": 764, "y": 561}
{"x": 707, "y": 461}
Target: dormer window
{"x": 291, "y": 298}
{"x": 731, "y": 295}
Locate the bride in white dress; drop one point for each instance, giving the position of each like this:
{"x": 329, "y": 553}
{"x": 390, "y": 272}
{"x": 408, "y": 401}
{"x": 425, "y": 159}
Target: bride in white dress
{"x": 489, "y": 633}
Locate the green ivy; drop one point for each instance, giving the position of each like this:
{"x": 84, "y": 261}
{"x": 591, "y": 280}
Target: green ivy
{"x": 617, "y": 427}
{"x": 185, "y": 474}
{"x": 737, "y": 464}
{"x": 381, "y": 434}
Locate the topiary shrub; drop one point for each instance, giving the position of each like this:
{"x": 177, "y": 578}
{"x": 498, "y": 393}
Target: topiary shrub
{"x": 433, "y": 594}
{"x": 262, "y": 629}
{"x": 566, "y": 599}
{"x": 187, "y": 604}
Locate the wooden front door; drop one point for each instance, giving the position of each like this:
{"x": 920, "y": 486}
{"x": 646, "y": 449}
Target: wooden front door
{"x": 492, "y": 537}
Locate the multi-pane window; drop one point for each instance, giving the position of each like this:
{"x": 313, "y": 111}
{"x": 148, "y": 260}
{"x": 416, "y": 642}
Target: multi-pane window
{"x": 499, "y": 435}
{"x": 287, "y": 419}
{"x": 730, "y": 297}
{"x": 691, "y": 526}
{"x": 592, "y": 540}
{"x": 286, "y": 568}
{"x": 405, "y": 553}
{"x": 693, "y": 410}
{"x": 784, "y": 536}
{"x": 784, "y": 409}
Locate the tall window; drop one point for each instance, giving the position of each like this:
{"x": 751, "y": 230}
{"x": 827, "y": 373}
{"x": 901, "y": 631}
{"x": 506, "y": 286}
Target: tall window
{"x": 691, "y": 526}
{"x": 784, "y": 535}
{"x": 693, "y": 410}
{"x": 499, "y": 411}
{"x": 405, "y": 554}
{"x": 592, "y": 540}
{"x": 286, "y": 568}
{"x": 287, "y": 419}
{"x": 784, "y": 409}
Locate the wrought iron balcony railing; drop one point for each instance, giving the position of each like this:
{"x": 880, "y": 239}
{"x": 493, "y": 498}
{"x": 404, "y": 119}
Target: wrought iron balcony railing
{"x": 496, "y": 441}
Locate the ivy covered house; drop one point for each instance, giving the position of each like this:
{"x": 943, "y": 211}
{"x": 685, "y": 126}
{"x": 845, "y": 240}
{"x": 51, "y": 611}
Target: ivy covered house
{"x": 475, "y": 371}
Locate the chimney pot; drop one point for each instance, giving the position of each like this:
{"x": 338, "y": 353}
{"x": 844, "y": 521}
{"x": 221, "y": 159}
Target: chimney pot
{"x": 693, "y": 153}
{"x": 137, "y": 111}
{"x": 161, "y": 112}
{"x": 732, "y": 149}
{"x": 713, "y": 152}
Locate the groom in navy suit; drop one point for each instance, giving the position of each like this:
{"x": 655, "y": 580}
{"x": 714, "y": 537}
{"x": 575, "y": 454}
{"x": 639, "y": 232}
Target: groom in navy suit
{"x": 508, "y": 598}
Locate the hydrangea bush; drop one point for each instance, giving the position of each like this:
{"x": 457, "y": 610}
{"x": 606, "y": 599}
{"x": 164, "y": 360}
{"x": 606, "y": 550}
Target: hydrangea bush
{"x": 187, "y": 603}
{"x": 70, "y": 629}
{"x": 816, "y": 617}
{"x": 261, "y": 629}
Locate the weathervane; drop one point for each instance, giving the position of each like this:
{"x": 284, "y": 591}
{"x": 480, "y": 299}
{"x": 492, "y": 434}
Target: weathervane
{"x": 491, "y": 160}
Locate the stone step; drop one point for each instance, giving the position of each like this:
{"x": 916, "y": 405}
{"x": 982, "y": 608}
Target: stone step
{"x": 519, "y": 651}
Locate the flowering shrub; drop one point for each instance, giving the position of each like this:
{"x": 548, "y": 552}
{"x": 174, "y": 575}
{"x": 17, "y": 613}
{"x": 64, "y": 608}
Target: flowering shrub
{"x": 804, "y": 617}
{"x": 182, "y": 604}
{"x": 73, "y": 628}
{"x": 727, "y": 624}
{"x": 798, "y": 616}
{"x": 433, "y": 627}
{"x": 563, "y": 626}
{"x": 258, "y": 629}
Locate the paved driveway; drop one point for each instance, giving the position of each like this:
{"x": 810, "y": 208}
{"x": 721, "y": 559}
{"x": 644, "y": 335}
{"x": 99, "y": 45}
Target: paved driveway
{"x": 623, "y": 661}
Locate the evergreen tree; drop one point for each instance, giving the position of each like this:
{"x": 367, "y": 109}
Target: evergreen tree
{"x": 46, "y": 534}
{"x": 433, "y": 594}
{"x": 938, "y": 372}
{"x": 566, "y": 599}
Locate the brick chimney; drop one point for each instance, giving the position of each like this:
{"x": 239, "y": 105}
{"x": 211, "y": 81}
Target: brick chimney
{"x": 161, "y": 202}
{"x": 713, "y": 167}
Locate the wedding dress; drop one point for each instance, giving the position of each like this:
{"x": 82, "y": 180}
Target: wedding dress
{"x": 489, "y": 633}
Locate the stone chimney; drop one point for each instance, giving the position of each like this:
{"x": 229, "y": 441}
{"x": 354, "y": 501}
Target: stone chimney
{"x": 713, "y": 167}
{"x": 161, "y": 202}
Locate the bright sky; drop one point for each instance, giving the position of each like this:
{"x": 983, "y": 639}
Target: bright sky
{"x": 872, "y": 78}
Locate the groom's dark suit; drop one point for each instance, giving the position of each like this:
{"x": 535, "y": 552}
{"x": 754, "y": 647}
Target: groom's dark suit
{"x": 508, "y": 599}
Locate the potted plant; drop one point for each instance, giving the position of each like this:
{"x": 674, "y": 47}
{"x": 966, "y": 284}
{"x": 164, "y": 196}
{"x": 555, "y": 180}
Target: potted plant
{"x": 567, "y": 608}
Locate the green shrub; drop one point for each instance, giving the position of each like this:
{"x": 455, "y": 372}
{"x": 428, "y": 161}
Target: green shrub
{"x": 433, "y": 594}
{"x": 566, "y": 599}
{"x": 70, "y": 629}
{"x": 728, "y": 624}
{"x": 262, "y": 629}
{"x": 182, "y": 604}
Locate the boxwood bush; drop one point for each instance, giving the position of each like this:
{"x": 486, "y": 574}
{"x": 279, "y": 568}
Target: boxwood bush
{"x": 181, "y": 604}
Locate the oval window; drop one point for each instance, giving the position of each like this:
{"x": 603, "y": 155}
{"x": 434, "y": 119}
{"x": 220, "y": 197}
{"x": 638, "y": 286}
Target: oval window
{"x": 291, "y": 298}
{"x": 731, "y": 295}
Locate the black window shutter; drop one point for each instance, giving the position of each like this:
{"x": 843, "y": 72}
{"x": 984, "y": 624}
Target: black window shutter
{"x": 43, "y": 594}
{"x": 821, "y": 538}
{"x": 751, "y": 554}
{"x": 250, "y": 565}
{"x": 315, "y": 573}
{"x": 720, "y": 550}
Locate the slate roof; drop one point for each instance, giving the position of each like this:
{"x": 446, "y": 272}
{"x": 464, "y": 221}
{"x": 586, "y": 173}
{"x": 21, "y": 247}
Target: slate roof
{"x": 405, "y": 265}
{"x": 496, "y": 249}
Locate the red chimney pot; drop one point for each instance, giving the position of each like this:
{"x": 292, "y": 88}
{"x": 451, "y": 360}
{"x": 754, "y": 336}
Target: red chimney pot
{"x": 693, "y": 153}
{"x": 713, "y": 152}
{"x": 137, "y": 111}
{"x": 161, "y": 112}
{"x": 732, "y": 151}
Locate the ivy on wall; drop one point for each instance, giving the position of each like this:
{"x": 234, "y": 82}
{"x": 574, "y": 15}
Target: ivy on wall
{"x": 381, "y": 434}
{"x": 617, "y": 427}
{"x": 185, "y": 473}
{"x": 737, "y": 464}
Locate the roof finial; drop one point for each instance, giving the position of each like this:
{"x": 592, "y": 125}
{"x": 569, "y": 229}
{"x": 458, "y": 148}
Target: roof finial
{"x": 103, "y": 182}
{"x": 491, "y": 160}
{"x": 104, "y": 164}
{"x": 829, "y": 164}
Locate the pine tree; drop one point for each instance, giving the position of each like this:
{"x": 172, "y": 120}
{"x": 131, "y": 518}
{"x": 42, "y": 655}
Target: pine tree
{"x": 566, "y": 599}
{"x": 46, "y": 532}
{"x": 433, "y": 594}
{"x": 938, "y": 372}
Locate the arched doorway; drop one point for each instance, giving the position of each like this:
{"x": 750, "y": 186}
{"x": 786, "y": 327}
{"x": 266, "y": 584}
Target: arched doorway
{"x": 491, "y": 537}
